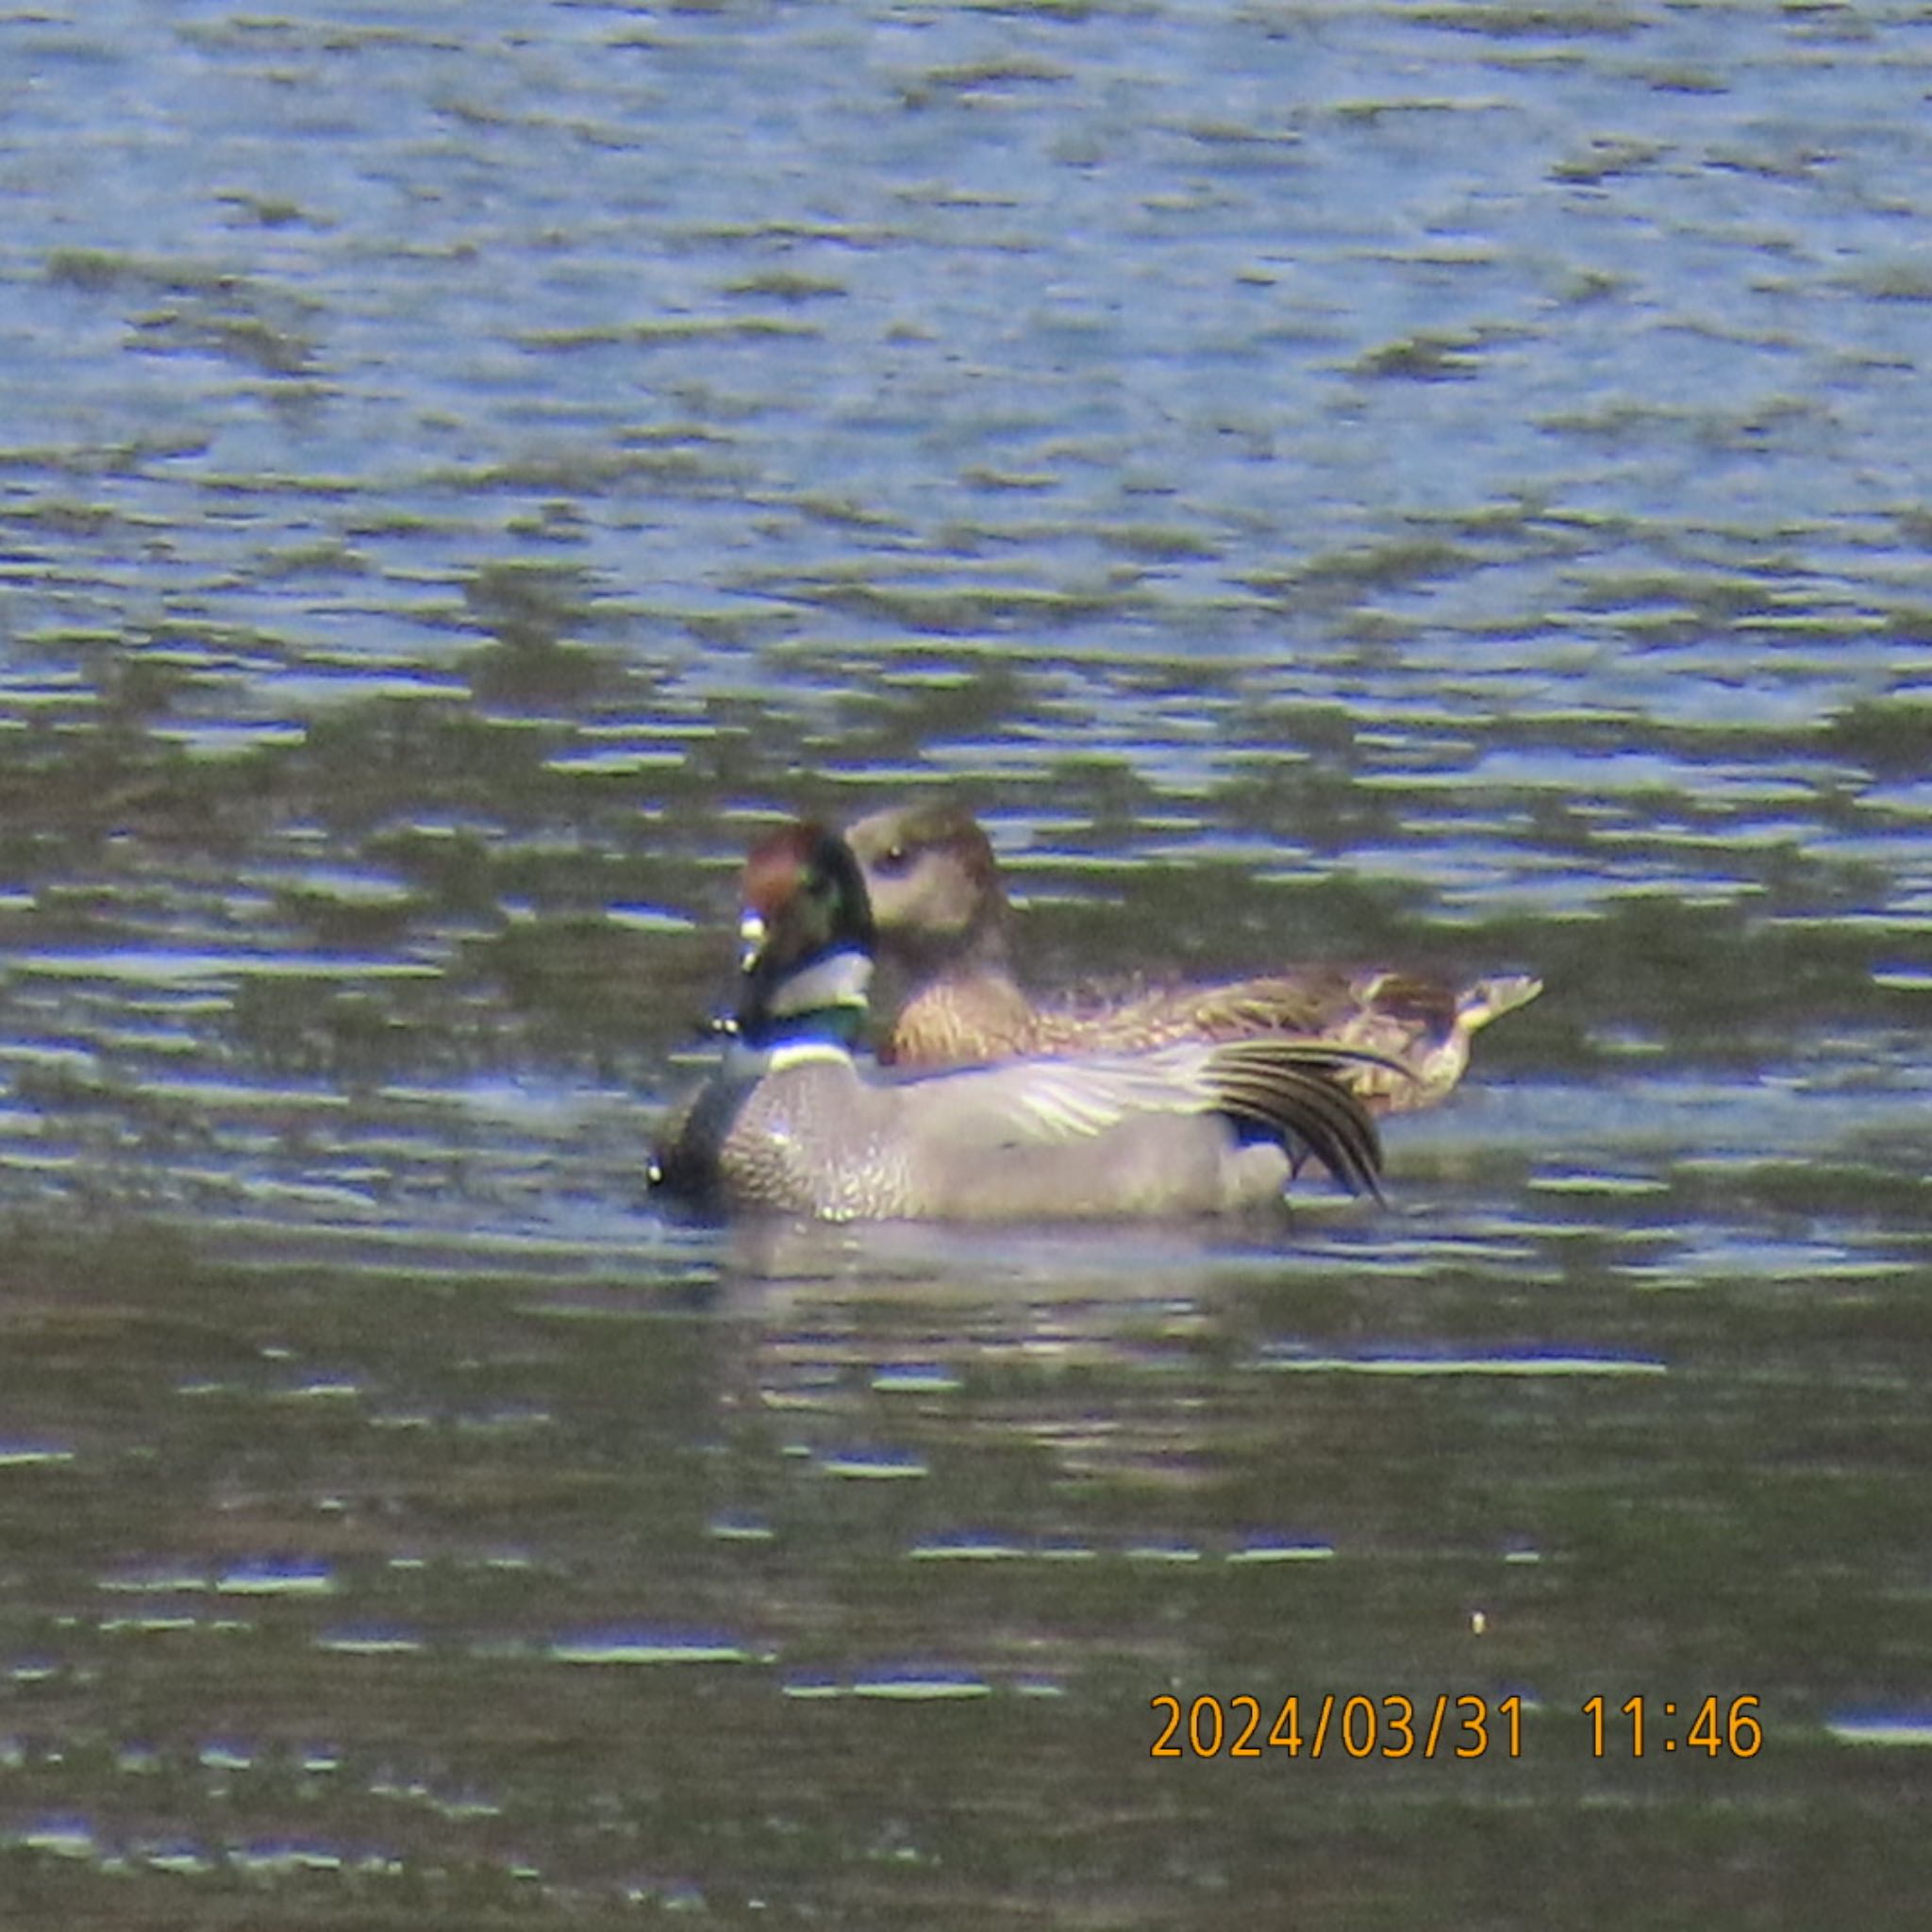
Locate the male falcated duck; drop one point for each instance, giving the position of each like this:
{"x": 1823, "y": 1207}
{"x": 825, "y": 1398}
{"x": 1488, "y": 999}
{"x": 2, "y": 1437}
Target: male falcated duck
{"x": 944, "y": 921}
{"x": 792, "y": 1121}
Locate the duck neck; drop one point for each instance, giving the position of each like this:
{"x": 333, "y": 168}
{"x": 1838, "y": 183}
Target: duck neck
{"x": 979, "y": 952}
{"x": 824, "y": 1000}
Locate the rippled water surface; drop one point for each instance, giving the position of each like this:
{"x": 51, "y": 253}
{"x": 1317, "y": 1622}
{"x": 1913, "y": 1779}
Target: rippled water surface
{"x": 1435, "y": 484}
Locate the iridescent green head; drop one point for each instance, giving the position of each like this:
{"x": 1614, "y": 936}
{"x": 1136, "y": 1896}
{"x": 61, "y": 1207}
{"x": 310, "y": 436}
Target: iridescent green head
{"x": 807, "y": 932}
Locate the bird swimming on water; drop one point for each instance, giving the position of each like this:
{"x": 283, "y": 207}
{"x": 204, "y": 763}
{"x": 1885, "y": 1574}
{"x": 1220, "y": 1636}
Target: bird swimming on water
{"x": 793, "y": 1122}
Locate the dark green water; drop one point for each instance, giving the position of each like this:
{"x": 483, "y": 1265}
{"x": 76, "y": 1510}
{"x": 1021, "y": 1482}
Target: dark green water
{"x": 1434, "y": 485}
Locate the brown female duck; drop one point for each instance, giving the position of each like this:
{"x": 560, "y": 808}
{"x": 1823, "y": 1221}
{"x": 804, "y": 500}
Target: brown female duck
{"x": 944, "y": 920}
{"x": 791, "y": 1122}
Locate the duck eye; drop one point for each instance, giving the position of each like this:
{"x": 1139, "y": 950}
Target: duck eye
{"x": 892, "y": 861}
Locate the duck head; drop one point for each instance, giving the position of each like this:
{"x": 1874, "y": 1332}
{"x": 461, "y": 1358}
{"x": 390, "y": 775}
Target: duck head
{"x": 933, "y": 885}
{"x": 806, "y": 938}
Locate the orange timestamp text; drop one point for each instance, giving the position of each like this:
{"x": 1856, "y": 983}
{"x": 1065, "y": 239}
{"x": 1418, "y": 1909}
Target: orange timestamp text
{"x": 1393, "y": 1726}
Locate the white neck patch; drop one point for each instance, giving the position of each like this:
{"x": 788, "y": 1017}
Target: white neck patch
{"x": 840, "y": 979}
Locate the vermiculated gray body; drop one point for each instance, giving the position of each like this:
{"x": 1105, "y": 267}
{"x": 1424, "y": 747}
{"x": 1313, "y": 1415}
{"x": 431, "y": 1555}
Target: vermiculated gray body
{"x": 807, "y": 1131}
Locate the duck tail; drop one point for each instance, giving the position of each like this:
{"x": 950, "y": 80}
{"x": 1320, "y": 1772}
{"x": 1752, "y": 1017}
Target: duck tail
{"x": 1489, "y": 999}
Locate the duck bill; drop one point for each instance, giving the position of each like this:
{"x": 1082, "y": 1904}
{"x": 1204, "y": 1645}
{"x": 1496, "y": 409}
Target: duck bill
{"x": 752, "y": 934}
{"x": 758, "y": 970}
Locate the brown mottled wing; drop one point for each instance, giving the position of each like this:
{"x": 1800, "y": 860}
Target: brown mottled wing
{"x": 1315, "y": 1001}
